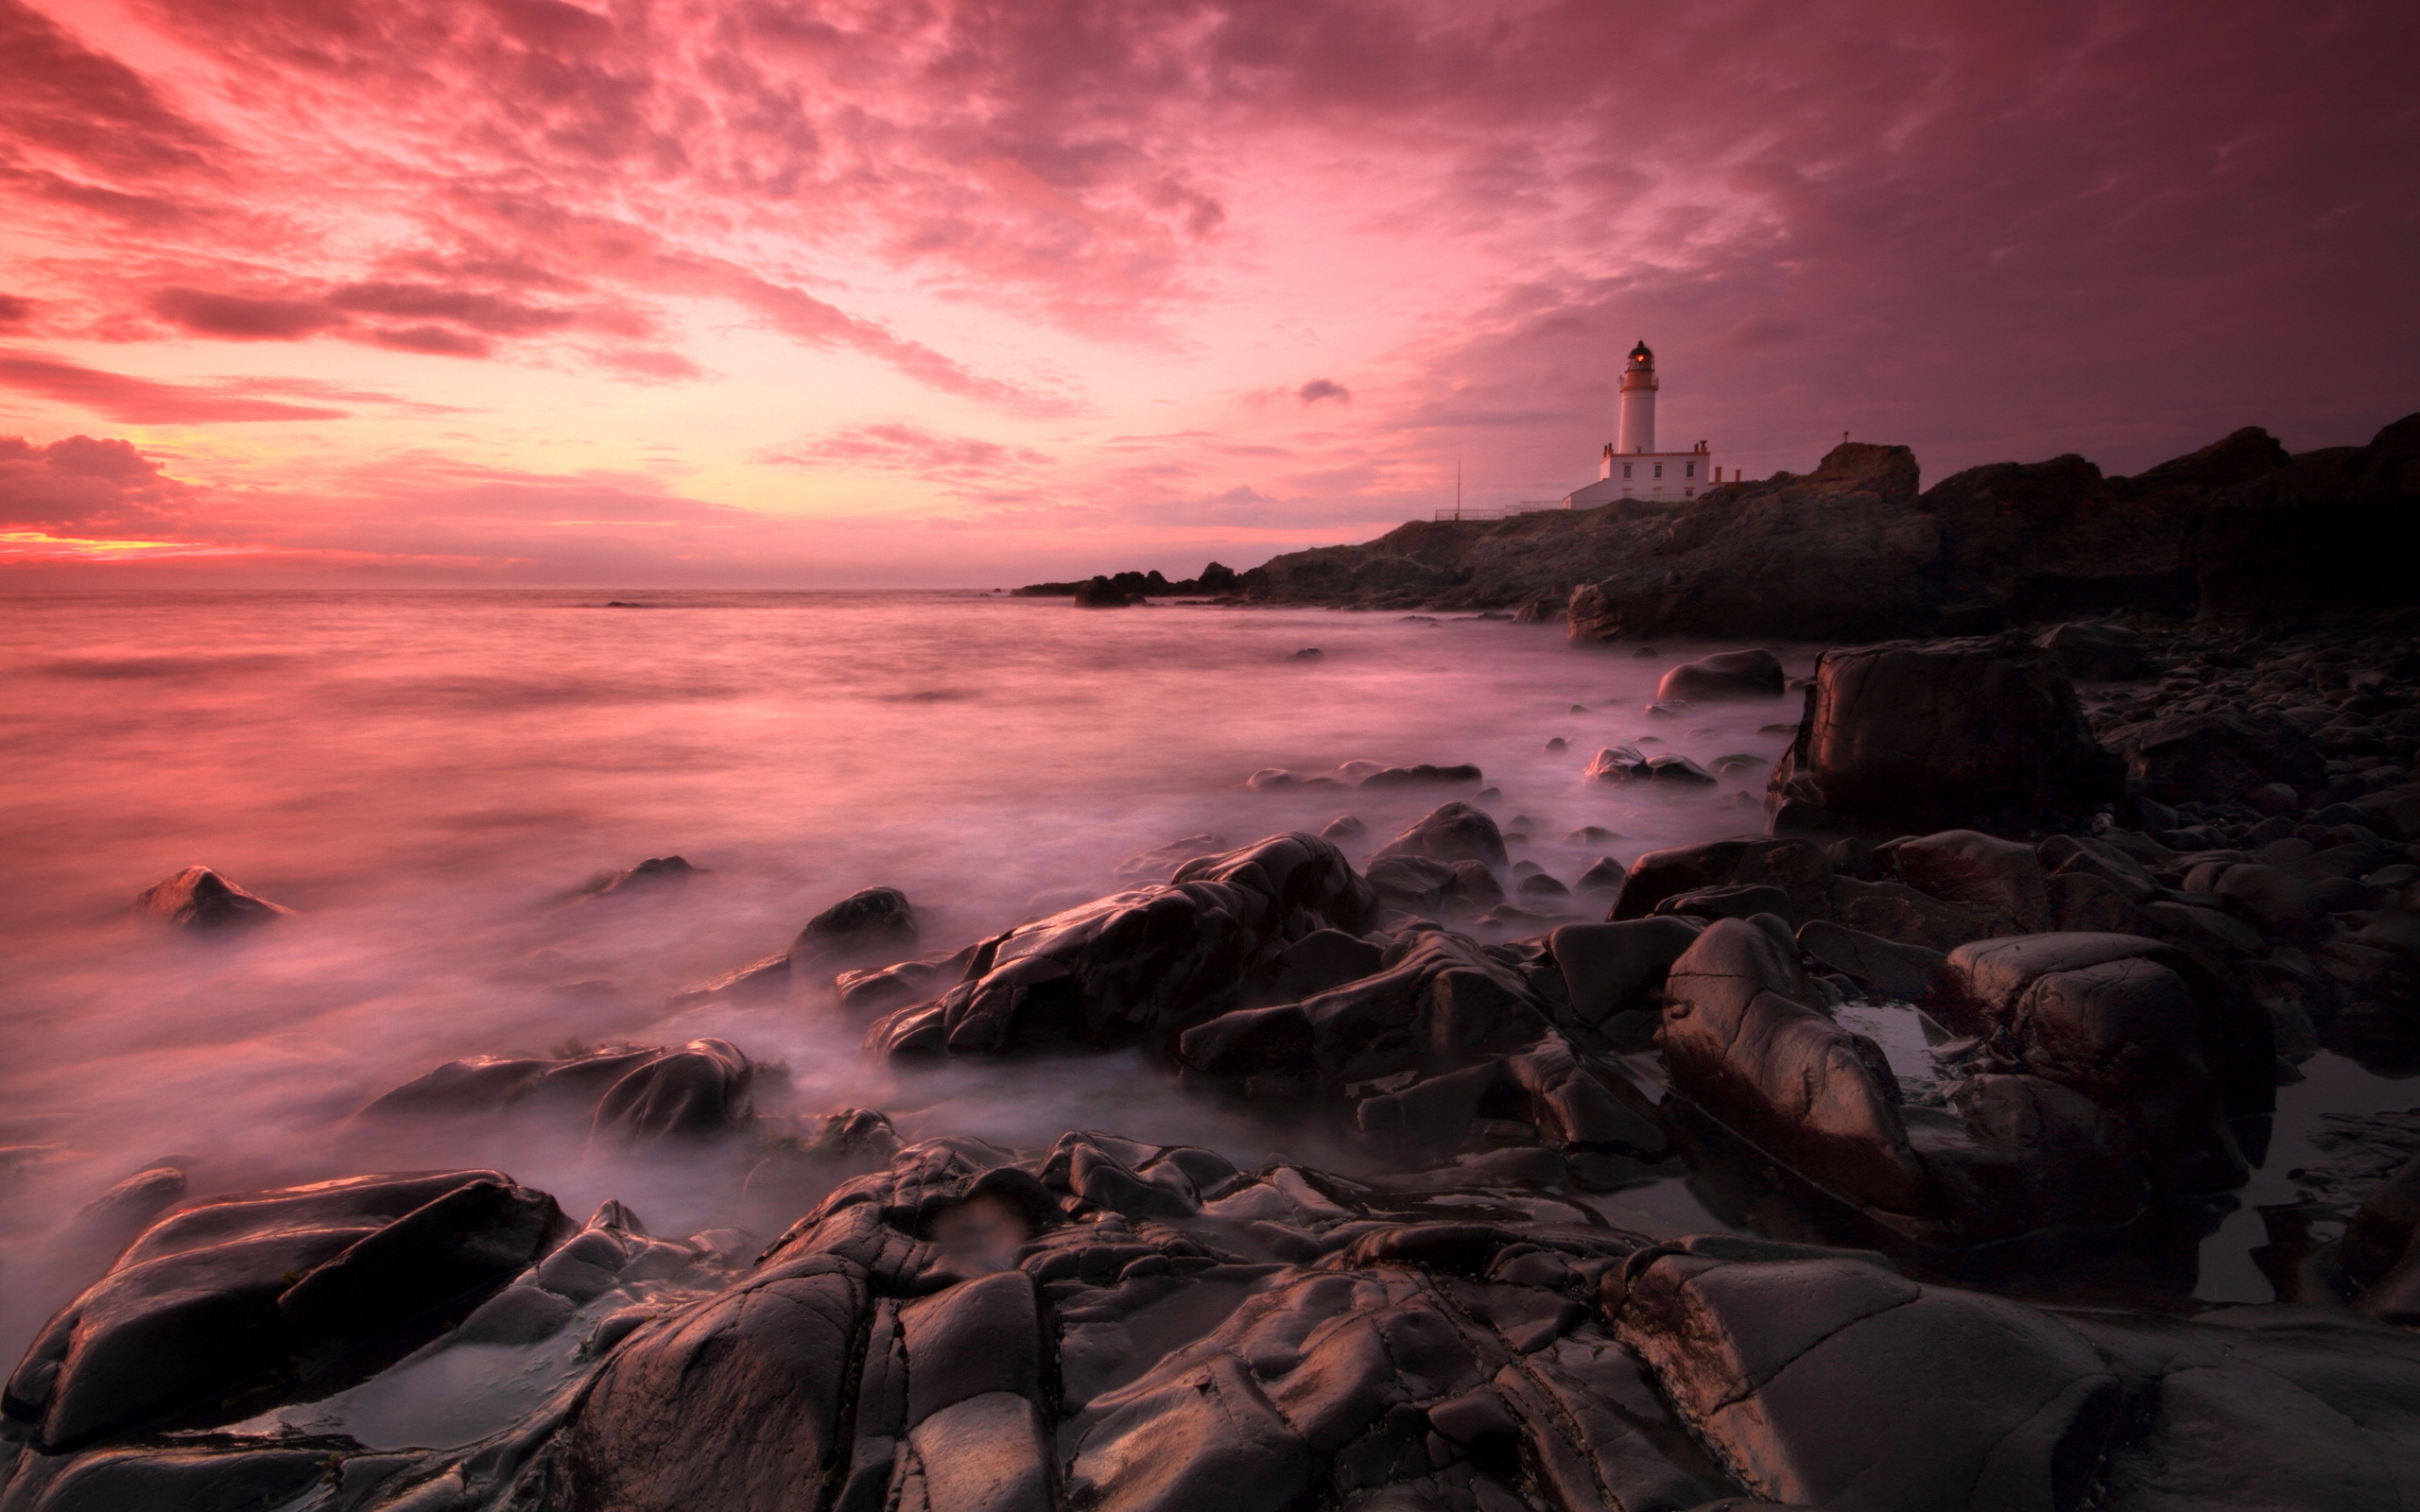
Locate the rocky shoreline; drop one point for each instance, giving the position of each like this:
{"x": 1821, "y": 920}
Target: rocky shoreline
{"x": 1975, "y": 1043}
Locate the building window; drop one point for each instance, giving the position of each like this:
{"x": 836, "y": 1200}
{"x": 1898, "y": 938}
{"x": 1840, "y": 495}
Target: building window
{"x": 1626, "y": 472}
{"x": 1688, "y": 494}
{"x": 1688, "y": 469}
{"x": 1659, "y": 469}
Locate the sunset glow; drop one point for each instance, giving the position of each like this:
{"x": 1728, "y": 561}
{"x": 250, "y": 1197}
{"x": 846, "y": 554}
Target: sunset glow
{"x": 837, "y": 295}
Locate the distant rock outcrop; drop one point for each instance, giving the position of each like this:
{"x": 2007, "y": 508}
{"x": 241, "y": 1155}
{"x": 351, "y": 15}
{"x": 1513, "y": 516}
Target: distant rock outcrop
{"x": 1854, "y": 550}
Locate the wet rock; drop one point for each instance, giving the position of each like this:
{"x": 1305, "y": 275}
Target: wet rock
{"x": 239, "y": 1302}
{"x": 1422, "y": 776}
{"x": 109, "y": 1220}
{"x": 1925, "y": 736}
{"x": 1837, "y": 1383}
{"x": 1139, "y": 968}
{"x": 698, "y": 1089}
{"x": 2217, "y": 757}
{"x": 1325, "y": 958}
{"x": 1977, "y": 871}
{"x": 1726, "y": 674}
{"x": 1881, "y": 965}
{"x": 1342, "y": 828}
{"x": 1627, "y": 763}
{"x": 1158, "y": 864}
{"x": 1897, "y": 912}
{"x": 652, "y": 872}
{"x": 2275, "y": 900}
{"x": 1098, "y": 593}
{"x": 1413, "y": 883}
{"x": 1452, "y": 833}
{"x": 2096, "y": 653}
{"x": 2144, "y": 1030}
{"x": 875, "y": 921}
{"x": 1439, "y": 1003}
{"x": 2378, "y": 1253}
{"x": 874, "y": 988}
{"x": 1738, "y": 901}
{"x": 200, "y": 898}
{"x": 624, "y": 1092}
{"x": 766, "y": 978}
{"x": 1739, "y": 1042}
{"x": 1796, "y": 867}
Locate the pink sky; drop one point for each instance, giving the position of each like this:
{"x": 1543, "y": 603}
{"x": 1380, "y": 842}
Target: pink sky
{"x": 767, "y": 293}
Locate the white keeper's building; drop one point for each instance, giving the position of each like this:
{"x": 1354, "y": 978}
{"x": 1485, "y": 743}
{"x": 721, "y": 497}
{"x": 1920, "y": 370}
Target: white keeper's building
{"x": 1631, "y": 467}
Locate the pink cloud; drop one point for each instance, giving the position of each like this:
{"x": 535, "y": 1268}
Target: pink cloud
{"x": 141, "y": 400}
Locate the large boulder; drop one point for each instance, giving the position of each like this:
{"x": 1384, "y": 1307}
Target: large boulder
{"x": 877, "y": 922}
{"x": 624, "y": 1092}
{"x": 2096, "y": 653}
{"x": 1836, "y": 1382}
{"x": 201, "y": 900}
{"x": 1797, "y": 867}
{"x": 1450, "y": 832}
{"x": 1740, "y": 1041}
{"x": 239, "y": 1302}
{"x": 2144, "y": 1030}
{"x": 1141, "y": 967}
{"x": 1982, "y": 733}
{"x": 1725, "y": 675}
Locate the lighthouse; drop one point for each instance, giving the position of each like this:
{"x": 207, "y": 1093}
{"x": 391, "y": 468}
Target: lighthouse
{"x": 1631, "y": 467}
{"x": 1637, "y": 428}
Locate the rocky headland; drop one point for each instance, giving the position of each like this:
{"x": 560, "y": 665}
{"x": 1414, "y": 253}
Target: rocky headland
{"x": 1855, "y": 550}
{"x": 1971, "y": 1038}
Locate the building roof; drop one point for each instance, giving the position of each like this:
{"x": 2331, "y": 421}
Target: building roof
{"x": 1641, "y": 351}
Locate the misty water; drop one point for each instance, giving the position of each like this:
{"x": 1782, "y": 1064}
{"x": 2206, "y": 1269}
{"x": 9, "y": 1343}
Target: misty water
{"x": 425, "y": 777}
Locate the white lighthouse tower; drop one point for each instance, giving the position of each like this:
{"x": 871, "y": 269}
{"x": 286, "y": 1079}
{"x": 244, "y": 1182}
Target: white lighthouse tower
{"x": 1637, "y": 434}
{"x": 1631, "y": 467}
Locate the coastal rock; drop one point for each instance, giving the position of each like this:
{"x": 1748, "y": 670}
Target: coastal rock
{"x": 1454, "y": 831}
{"x": 1740, "y": 1041}
{"x": 1612, "y": 973}
{"x": 200, "y": 898}
{"x": 648, "y": 874}
{"x": 875, "y": 921}
{"x": 1438, "y": 1003}
{"x": 2378, "y": 1253}
{"x": 624, "y": 1093}
{"x": 1976, "y": 870}
{"x": 1948, "y": 734}
{"x": 1160, "y": 862}
{"x": 1139, "y": 967}
{"x": 1627, "y": 763}
{"x": 1100, "y": 592}
{"x": 1796, "y": 867}
{"x": 1840, "y": 553}
{"x": 2143, "y": 1029}
{"x": 2217, "y": 757}
{"x": 1726, "y": 674}
{"x": 238, "y": 1302}
{"x": 2096, "y": 653}
{"x": 1835, "y": 1381}
{"x": 2304, "y": 537}
{"x": 1423, "y": 775}
{"x": 1883, "y": 966}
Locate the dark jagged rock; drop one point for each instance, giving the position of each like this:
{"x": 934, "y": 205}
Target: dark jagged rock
{"x": 1424, "y": 775}
{"x": 1627, "y": 763}
{"x": 2144, "y": 1030}
{"x": 1141, "y": 967}
{"x": 2306, "y": 536}
{"x": 1614, "y": 973}
{"x": 1724, "y": 675}
{"x": 624, "y": 1093}
{"x": 1842, "y": 552}
{"x": 239, "y": 1302}
{"x": 2213, "y": 757}
{"x": 876, "y": 921}
{"x": 1454, "y": 831}
{"x": 200, "y": 898}
{"x": 2096, "y": 653}
{"x": 652, "y": 872}
{"x": 1100, "y": 592}
{"x": 1924, "y": 736}
{"x": 1796, "y": 867}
